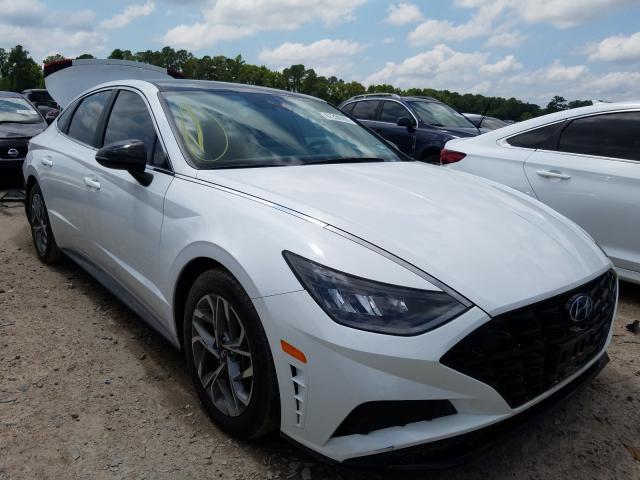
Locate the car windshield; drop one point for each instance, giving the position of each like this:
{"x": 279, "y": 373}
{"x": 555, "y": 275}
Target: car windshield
{"x": 439, "y": 115}
{"x": 17, "y": 110}
{"x": 223, "y": 129}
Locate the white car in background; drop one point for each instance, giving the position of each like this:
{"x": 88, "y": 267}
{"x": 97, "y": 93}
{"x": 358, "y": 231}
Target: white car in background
{"x": 375, "y": 310}
{"x": 584, "y": 163}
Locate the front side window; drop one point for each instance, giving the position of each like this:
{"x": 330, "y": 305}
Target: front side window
{"x": 536, "y": 138}
{"x": 18, "y": 110}
{"x": 366, "y": 110}
{"x": 85, "y": 118}
{"x": 614, "y": 135}
{"x": 392, "y": 112}
{"x": 222, "y": 129}
{"x": 130, "y": 120}
{"x": 439, "y": 115}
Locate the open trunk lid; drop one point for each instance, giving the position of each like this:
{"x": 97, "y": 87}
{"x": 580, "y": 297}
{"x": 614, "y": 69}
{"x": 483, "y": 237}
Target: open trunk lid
{"x": 67, "y": 79}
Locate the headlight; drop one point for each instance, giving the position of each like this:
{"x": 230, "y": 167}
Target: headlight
{"x": 373, "y": 306}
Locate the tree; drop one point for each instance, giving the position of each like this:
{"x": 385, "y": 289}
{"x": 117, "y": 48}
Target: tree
{"x": 579, "y": 103}
{"x": 22, "y": 71}
{"x": 557, "y": 104}
{"x": 85, "y": 56}
{"x": 53, "y": 58}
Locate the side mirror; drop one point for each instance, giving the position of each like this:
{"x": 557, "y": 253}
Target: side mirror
{"x": 129, "y": 155}
{"x": 406, "y": 122}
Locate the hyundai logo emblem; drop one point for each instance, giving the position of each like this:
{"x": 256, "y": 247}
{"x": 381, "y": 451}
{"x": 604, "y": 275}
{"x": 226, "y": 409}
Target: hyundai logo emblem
{"x": 12, "y": 152}
{"x": 580, "y": 307}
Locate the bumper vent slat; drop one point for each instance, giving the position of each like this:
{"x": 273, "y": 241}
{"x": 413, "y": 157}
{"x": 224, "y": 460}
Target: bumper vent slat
{"x": 524, "y": 353}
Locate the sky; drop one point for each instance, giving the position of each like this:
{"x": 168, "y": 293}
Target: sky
{"x": 530, "y": 49}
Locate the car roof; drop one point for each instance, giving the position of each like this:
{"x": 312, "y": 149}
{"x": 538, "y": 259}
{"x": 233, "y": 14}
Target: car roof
{"x": 560, "y": 116}
{"x": 7, "y": 94}
{"x": 390, "y": 96}
{"x": 173, "y": 85}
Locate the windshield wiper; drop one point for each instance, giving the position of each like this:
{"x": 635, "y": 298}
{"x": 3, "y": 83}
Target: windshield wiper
{"x": 326, "y": 161}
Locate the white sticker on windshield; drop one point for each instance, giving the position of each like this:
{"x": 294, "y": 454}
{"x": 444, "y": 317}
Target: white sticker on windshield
{"x": 27, "y": 112}
{"x": 335, "y": 117}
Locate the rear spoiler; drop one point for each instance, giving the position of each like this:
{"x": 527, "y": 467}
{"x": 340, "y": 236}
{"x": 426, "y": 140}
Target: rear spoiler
{"x": 66, "y": 79}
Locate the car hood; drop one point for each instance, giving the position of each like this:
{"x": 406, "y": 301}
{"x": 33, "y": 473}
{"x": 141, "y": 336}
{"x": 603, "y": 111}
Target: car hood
{"x": 491, "y": 244}
{"x": 21, "y": 130}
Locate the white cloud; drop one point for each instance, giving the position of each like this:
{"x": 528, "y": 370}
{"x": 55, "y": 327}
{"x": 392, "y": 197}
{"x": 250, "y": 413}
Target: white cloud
{"x": 39, "y": 29}
{"x": 327, "y": 57}
{"x": 496, "y": 18}
{"x": 388, "y": 40}
{"x": 289, "y": 53}
{"x": 480, "y": 24}
{"x": 507, "y": 64}
{"x": 234, "y": 19}
{"x": 443, "y": 67}
{"x": 129, "y": 14}
{"x": 616, "y": 48}
{"x": 557, "y": 72}
{"x": 403, "y": 14}
{"x": 566, "y": 13}
{"x": 505, "y": 39}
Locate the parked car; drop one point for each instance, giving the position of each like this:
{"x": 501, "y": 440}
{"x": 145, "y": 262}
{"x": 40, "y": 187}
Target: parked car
{"x": 318, "y": 283}
{"x": 418, "y": 126}
{"x": 484, "y": 123}
{"x": 19, "y": 121}
{"x": 43, "y": 102}
{"x": 584, "y": 163}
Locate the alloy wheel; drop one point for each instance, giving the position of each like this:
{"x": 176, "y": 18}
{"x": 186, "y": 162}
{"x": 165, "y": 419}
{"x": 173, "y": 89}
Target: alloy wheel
{"x": 39, "y": 224}
{"x": 222, "y": 355}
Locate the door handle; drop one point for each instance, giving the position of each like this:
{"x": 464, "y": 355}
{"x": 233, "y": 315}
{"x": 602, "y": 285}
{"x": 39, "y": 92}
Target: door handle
{"x": 552, "y": 174}
{"x": 47, "y": 162}
{"x": 89, "y": 182}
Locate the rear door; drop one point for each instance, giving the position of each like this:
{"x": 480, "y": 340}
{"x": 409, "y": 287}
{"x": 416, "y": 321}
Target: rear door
{"x": 125, "y": 216}
{"x": 592, "y": 175}
{"x": 367, "y": 112}
{"x": 63, "y": 168}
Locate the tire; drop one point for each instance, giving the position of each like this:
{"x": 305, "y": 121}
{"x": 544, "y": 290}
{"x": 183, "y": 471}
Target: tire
{"x": 245, "y": 407}
{"x": 41, "y": 233}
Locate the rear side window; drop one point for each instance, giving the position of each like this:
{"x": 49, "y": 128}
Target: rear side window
{"x": 86, "y": 117}
{"x": 65, "y": 117}
{"x": 533, "y": 138}
{"x": 392, "y": 112}
{"x": 615, "y": 135}
{"x": 349, "y": 108}
{"x": 366, "y": 110}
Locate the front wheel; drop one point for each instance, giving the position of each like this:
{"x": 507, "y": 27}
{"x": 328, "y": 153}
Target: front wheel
{"x": 229, "y": 358}
{"x": 41, "y": 233}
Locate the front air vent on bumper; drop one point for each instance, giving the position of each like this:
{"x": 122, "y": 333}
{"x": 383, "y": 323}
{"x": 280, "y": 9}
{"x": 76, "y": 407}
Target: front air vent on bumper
{"x": 524, "y": 353}
{"x": 372, "y": 416}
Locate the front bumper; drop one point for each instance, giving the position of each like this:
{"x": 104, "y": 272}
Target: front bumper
{"x": 346, "y": 368}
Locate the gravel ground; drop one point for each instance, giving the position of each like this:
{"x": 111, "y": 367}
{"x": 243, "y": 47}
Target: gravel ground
{"x": 88, "y": 391}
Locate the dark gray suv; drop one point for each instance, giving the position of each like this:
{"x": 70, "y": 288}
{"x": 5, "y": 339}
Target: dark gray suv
{"x": 418, "y": 126}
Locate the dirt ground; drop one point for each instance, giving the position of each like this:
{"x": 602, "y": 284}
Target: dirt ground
{"x": 88, "y": 391}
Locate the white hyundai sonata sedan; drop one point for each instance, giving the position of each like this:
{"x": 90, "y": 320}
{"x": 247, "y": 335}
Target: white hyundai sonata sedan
{"x": 377, "y": 311}
{"x": 584, "y": 163}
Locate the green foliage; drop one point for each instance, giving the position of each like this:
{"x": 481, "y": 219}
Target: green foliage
{"x": 18, "y": 71}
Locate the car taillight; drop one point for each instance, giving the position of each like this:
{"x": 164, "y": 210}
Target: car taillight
{"x": 450, "y": 156}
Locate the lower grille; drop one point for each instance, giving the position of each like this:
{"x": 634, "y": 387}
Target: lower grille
{"x": 523, "y": 353}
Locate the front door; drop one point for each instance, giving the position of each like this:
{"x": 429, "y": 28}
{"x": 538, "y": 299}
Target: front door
{"x": 126, "y": 217}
